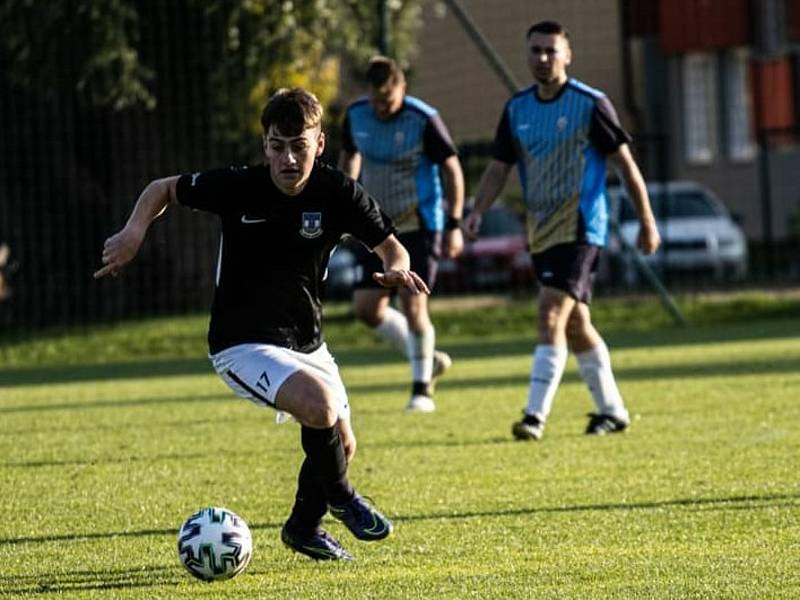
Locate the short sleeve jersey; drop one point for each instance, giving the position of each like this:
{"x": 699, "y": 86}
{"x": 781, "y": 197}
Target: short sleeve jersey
{"x": 400, "y": 160}
{"x": 560, "y": 147}
{"x": 274, "y": 250}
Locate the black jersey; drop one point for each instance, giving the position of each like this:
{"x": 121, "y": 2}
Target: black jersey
{"x": 274, "y": 250}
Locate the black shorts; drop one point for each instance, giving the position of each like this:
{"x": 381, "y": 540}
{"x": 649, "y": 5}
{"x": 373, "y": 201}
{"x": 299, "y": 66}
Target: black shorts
{"x": 570, "y": 268}
{"x": 424, "y": 248}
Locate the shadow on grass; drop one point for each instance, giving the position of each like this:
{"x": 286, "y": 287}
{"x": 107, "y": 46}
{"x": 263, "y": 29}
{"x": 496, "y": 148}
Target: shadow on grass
{"x": 33, "y": 464}
{"x": 87, "y": 425}
{"x": 108, "y": 535}
{"x": 478, "y": 348}
{"x": 682, "y": 371}
{"x": 749, "y": 502}
{"x": 632, "y": 373}
{"x": 94, "y": 404}
{"x": 102, "y": 579}
{"x": 104, "y": 372}
{"x": 99, "y": 461}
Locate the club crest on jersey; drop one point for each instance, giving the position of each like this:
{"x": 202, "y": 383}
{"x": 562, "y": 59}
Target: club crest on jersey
{"x": 311, "y": 225}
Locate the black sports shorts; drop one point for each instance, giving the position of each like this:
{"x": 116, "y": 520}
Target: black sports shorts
{"x": 570, "y": 268}
{"x": 424, "y": 248}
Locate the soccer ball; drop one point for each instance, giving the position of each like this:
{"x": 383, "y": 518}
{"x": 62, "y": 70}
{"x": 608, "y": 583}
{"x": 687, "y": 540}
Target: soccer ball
{"x": 215, "y": 543}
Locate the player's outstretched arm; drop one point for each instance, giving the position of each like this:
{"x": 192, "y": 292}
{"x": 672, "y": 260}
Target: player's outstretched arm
{"x": 492, "y": 182}
{"x": 649, "y": 239}
{"x": 396, "y": 266}
{"x": 122, "y": 247}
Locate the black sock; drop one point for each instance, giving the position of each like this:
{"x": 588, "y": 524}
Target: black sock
{"x": 325, "y": 453}
{"x": 421, "y": 388}
{"x": 309, "y": 504}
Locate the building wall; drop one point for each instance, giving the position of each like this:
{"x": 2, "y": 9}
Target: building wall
{"x": 451, "y": 73}
{"x": 736, "y": 184}
{"x": 746, "y": 186}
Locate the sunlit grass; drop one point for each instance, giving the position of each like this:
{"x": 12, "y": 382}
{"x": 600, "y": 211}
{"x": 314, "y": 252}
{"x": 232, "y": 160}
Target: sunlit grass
{"x": 105, "y": 453}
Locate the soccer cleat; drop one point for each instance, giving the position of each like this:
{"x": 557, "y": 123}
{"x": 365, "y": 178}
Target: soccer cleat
{"x": 420, "y": 404}
{"x": 441, "y": 362}
{"x": 530, "y": 428}
{"x": 319, "y": 545}
{"x": 603, "y": 424}
{"x": 362, "y": 520}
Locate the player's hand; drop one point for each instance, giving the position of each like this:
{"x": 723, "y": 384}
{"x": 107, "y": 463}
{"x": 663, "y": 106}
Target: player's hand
{"x": 472, "y": 225}
{"x": 648, "y": 239}
{"x": 118, "y": 251}
{"x": 348, "y": 438}
{"x": 453, "y": 243}
{"x": 402, "y": 278}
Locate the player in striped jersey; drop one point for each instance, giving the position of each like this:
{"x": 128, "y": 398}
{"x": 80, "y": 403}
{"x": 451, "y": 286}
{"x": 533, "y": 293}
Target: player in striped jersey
{"x": 399, "y": 145}
{"x": 559, "y": 133}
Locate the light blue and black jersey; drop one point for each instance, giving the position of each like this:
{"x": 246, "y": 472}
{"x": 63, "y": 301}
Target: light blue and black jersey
{"x": 560, "y": 147}
{"x": 399, "y": 160}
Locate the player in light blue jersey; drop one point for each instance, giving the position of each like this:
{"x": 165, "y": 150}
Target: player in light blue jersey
{"x": 402, "y": 151}
{"x": 559, "y": 133}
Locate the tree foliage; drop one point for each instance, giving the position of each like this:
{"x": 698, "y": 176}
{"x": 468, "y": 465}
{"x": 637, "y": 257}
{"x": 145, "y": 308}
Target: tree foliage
{"x": 88, "y": 47}
{"x": 92, "y": 48}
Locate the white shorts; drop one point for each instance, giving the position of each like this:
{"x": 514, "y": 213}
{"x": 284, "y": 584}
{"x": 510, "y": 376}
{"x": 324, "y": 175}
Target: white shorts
{"x": 257, "y": 371}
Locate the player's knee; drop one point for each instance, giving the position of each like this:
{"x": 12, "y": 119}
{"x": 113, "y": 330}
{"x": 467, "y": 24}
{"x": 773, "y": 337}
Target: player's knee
{"x": 574, "y": 327}
{"x": 309, "y": 400}
{"x": 367, "y": 315}
{"x": 320, "y": 405}
{"x": 548, "y": 321}
{"x": 322, "y": 411}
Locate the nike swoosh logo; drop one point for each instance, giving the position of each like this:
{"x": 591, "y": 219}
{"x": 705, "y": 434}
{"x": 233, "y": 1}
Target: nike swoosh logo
{"x": 246, "y": 219}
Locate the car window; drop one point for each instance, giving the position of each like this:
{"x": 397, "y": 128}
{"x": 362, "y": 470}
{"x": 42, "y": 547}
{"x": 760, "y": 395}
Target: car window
{"x": 674, "y": 205}
{"x": 497, "y": 222}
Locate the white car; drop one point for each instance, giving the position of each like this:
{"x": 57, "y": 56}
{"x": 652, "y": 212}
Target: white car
{"x": 698, "y": 233}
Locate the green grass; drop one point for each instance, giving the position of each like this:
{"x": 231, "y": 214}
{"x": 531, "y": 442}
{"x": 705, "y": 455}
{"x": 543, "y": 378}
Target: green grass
{"x": 112, "y": 436}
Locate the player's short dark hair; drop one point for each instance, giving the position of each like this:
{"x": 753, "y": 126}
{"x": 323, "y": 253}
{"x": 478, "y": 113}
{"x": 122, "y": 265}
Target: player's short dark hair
{"x": 291, "y": 111}
{"x": 382, "y": 70}
{"x": 548, "y": 28}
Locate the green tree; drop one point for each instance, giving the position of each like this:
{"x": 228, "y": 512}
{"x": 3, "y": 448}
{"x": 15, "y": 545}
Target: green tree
{"x": 88, "y": 47}
{"x": 93, "y": 49}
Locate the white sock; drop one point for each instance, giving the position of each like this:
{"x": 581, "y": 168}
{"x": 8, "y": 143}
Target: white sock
{"x": 548, "y": 367}
{"x": 394, "y": 329}
{"x": 420, "y": 352}
{"x": 595, "y": 368}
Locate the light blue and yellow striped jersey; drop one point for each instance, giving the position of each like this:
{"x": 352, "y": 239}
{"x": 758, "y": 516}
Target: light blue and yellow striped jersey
{"x": 400, "y": 158}
{"x": 560, "y": 147}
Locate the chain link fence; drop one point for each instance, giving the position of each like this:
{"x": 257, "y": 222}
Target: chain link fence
{"x": 70, "y": 173}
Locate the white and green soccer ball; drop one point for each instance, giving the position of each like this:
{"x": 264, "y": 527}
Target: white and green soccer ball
{"x": 215, "y": 543}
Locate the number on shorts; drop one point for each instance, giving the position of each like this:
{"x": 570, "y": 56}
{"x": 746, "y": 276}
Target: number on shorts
{"x": 265, "y": 379}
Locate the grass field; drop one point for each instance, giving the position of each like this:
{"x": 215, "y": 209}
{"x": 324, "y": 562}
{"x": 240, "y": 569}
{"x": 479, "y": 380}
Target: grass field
{"x": 111, "y": 437}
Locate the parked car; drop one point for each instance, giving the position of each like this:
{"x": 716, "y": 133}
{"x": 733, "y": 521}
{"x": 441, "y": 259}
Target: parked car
{"x": 698, "y": 233}
{"x": 498, "y": 259}
{"x": 342, "y": 272}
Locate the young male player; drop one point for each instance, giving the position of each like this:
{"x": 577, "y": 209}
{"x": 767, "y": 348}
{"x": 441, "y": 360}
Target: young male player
{"x": 559, "y": 133}
{"x": 399, "y": 145}
{"x": 280, "y": 221}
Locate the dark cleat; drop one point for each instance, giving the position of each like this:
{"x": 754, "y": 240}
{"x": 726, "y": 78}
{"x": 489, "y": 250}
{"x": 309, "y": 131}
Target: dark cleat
{"x": 530, "y": 428}
{"x": 319, "y": 544}
{"x": 604, "y": 424}
{"x": 362, "y": 520}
